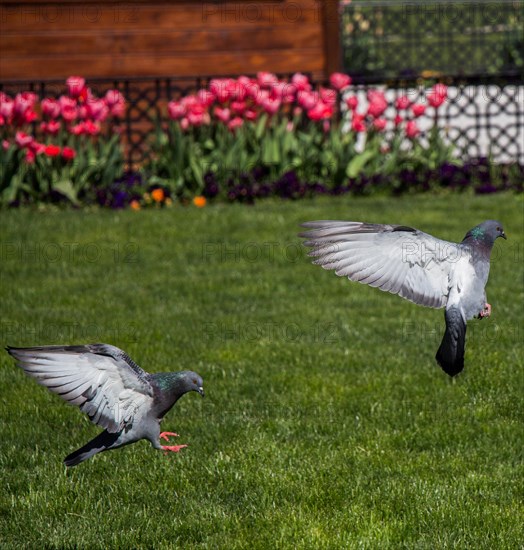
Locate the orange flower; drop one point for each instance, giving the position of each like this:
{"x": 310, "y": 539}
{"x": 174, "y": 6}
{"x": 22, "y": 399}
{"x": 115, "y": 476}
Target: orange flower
{"x": 199, "y": 201}
{"x": 157, "y": 195}
{"x": 135, "y": 205}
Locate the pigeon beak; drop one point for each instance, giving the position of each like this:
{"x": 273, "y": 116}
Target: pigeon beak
{"x": 503, "y": 235}
{"x": 201, "y": 391}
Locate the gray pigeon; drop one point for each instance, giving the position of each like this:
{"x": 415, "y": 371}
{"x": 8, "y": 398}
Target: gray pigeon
{"x": 111, "y": 389}
{"x": 416, "y": 266}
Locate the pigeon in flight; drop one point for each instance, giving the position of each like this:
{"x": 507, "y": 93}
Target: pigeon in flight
{"x": 416, "y": 266}
{"x": 112, "y": 390}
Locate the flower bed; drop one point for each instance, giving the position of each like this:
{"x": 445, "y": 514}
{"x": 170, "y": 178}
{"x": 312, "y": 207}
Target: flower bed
{"x": 236, "y": 140}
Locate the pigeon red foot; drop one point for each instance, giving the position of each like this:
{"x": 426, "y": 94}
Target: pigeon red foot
{"x": 171, "y": 448}
{"x": 165, "y": 435}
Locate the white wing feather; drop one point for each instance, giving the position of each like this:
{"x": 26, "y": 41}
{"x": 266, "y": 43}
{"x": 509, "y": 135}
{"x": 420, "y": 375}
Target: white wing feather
{"x": 396, "y": 259}
{"x": 97, "y": 378}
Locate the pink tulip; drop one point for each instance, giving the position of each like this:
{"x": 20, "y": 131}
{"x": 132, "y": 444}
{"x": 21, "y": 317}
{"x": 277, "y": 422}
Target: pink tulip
{"x": 184, "y": 124}
{"x": 206, "y": 97}
{"x": 377, "y": 103}
{"x": 235, "y": 123}
{"x": 238, "y": 107}
{"x": 78, "y": 129}
{"x": 98, "y": 109}
{"x": 307, "y": 100}
{"x": 222, "y": 114}
{"x": 75, "y": 86}
{"x": 339, "y": 81}
{"x": 176, "y": 110}
{"x": 266, "y": 79}
{"x": 50, "y": 107}
{"x": 379, "y": 124}
{"x": 271, "y": 106}
{"x": 262, "y": 97}
{"x": 67, "y": 108}
{"x": 23, "y": 108}
{"x": 221, "y": 88}
{"x": 301, "y": 82}
{"x": 283, "y": 91}
{"x": 29, "y": 156}
{"x": 352, "y": 102}
{"x": 252, "y": 89}
{"x": 113, "y": 97}
{"x": 37, "y": 148}
{"x": 402, "y": 103}
{"x": 52, "y": 127}
{"x": 82, "y": 112}
{"x": 5, "y": 145}
{"x": 6, "y": 107}
{"x": 23, "y": 140}
{"x": 412, "y": 130}
{"x": 328, "y": 96}
{"x": 198, "y": 117}
{"x": 320, "y": 111}
{"x": 418, "y": 109}
{"x": 92, "y": 128}
{"x": 250, "y": 114}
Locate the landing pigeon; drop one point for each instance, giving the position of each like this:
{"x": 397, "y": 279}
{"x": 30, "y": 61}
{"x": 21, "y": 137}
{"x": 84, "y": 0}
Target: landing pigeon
{"x": 111, "y": 389}
{"x": 416, "y": 266}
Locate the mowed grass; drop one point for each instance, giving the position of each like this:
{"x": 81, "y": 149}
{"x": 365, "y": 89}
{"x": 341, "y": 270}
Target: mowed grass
{"x": 327, "y": 423}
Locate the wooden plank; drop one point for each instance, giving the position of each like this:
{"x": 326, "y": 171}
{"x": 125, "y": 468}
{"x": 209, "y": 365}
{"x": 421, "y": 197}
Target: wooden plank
{"x": 13, "y": 45}
{"x": 332, "y": 44}
{"x": 97, "y": 17}
{"x": 305, "y": 60}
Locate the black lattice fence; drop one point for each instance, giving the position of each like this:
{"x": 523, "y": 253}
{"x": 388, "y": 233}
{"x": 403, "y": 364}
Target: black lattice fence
{"x": 392, "y": 39}
{"x": 482, "y": 120}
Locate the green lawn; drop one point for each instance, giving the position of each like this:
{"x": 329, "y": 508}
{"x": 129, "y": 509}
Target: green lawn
{"x": 327, "y": 423}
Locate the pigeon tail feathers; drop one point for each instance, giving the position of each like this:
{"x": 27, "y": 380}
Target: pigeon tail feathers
{"x": 450, "y": 355}
{"x": 102, "y": 442}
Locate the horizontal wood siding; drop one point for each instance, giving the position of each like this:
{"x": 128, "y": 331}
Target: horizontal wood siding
{"x": 44, "y": 40}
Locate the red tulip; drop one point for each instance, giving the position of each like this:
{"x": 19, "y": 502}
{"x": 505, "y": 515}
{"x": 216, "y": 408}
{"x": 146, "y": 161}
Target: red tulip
{"x": 339, "y": 81}
{"x": 398, "y": 120}
{"x": 75, "y": 86}
{"x": 438, "y": 95}
{"x": 23, "y": 108}
{"x": 78, "y": 129}
{"x": 402, "y": 103}
{"x": 52, "y": 150}
{"x": 222, "y": 114}
{"x": 412, "y": 130}
{"x": 379, "y": 124}
{"x": 418, "y": 109}
{"x": 68, "y": 153}
{"x": 357, "y": 123}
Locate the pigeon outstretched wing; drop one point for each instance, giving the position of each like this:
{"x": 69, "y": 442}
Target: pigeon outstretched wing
{"x": 394, "y": 258}
{"x": 100, "y": 379}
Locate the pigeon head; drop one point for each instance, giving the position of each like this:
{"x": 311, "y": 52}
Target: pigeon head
{"x": 486, "y": 232}
{"x": 191, "y": 381}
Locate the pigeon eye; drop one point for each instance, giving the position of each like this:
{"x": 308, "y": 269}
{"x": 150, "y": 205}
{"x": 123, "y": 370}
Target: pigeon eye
{"x": 194, "y": 381}
{"x": 498, "y": 228}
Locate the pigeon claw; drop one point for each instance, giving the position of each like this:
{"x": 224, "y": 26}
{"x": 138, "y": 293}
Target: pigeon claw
{"x": 172, "y": 448}
{"x": 486, "y": 312}
{"x": 165, "y": 435}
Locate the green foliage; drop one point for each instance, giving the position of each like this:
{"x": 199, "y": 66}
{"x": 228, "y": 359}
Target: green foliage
{"x": 326, "y": 422}
{"x": 50, "y": 178}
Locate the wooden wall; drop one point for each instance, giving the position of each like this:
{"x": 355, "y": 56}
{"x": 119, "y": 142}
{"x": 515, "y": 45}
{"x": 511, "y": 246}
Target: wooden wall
{"x": 48, "y": 40}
